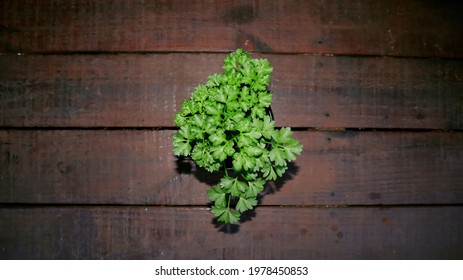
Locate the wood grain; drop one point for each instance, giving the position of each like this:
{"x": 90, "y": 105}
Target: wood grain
{"x": 138, "y": 167}
{"x": 398, "y": 28}
{"x": 188, "y": 233}
{"x": 309, "y": 91}
{"x": 88, "y": 91}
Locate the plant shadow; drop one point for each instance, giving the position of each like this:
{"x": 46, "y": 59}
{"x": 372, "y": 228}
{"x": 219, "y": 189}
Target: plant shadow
{"x": 275, "y": 186}
{"x": 186, "y": 166}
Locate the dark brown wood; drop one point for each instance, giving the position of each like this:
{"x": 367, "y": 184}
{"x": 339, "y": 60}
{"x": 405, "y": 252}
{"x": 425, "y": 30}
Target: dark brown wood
{"x": 399, "y": 28}
{"x": 83, "y": 175}
{"x": 187, "y": 233}
{"x": 138, "y": 167}
{"x": 309, "y": 91}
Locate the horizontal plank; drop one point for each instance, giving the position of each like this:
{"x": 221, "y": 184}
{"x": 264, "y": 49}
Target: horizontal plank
{"x": 399, "y": 28}
{"x": 309, "y": 91}
{"x": 138, "y": 167}
{"x": 188, "y": 233}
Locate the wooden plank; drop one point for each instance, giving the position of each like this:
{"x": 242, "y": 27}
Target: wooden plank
{"x": 187, "y": 233}
{"x": 309, "y": 91}
{"x": 399, "y": 28}
{"x": 138, "y": 167}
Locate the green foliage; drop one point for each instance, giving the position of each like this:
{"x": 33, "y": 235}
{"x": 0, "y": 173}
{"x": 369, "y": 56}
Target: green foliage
{"x": 226, "y": 118}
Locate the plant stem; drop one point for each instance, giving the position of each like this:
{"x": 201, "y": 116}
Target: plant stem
{"x": 226, "y": 171}
{"x": 228, "y": 204}
{"x": 267, "y": 142}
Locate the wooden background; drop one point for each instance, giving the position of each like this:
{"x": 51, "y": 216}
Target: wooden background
{"x": 88, "y": 91}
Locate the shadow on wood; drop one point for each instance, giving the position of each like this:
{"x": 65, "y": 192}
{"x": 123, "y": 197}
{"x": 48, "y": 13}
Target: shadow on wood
{"x": 185, "y": 165}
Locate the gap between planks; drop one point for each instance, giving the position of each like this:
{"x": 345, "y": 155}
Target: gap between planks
{"x": 224, "y": 52}
{"x": 170, "y": 128}
{"x": 314, "y": 206}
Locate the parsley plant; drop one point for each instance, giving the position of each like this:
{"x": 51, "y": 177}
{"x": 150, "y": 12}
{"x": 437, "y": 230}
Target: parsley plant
{"x": 226, "y": 119}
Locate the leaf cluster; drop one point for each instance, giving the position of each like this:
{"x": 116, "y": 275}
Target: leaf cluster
{"x": 226, "y": 120}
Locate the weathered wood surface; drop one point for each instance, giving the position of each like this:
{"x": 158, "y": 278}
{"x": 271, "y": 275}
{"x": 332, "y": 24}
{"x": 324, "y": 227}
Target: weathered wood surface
{"x": 309, "y": 91}
{"x": 71, "y": 189}
{"x": 188, "y": 233}
{"x": 399, "y": 28}
{"x": 138, "y": 167}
